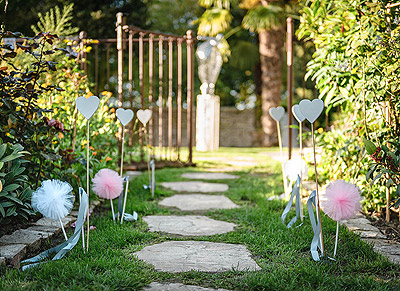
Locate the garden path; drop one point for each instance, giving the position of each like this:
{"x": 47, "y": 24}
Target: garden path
{"x": 183, "y": 256}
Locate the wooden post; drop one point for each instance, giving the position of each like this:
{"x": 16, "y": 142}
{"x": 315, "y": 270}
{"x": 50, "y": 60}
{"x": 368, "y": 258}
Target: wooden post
{"x": 96, "y": 69}
{"x": 289, "y": 51}
{"x": 190, "y": 91}
{"x": 130, "y": 77}
{"x": 179, "y": 100}
{"x": 170, "y": 76}
{"x": 160, "y": 92}
{"x": 82, "y": 37}
{"x": 120, "y": 37}
{"x": 151, "y": 48}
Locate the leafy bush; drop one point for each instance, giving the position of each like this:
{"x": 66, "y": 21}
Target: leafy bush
{"x": 355, "y": 67}
{"x": 15, "y": 192}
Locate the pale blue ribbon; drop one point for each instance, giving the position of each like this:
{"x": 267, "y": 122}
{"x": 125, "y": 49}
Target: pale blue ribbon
{"x": 68, "y": 245}
{"x": 316, "y": 242}
{"x": 127, "y": 216}
{"x": 295, "y": 193}
{"x": 152, "y": 185}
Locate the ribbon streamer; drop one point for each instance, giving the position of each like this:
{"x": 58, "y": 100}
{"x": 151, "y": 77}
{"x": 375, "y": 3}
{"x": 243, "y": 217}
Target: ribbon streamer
{"x": 65, "y": 247}
{"x": 316, "y": 242}
{"x": 152, "y": 185}
{"x": 122, "y": 203}
{"x": 295, "y": 193}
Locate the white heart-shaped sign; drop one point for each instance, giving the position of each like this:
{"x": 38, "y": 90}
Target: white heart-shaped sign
{"x": 144, "y": 115}
{"x": 87, "y": 106}
{"x": 277, "y": 112}
{"x": 124, "y": 115}
{"x": 311, "y": 109}
{"x": 297, "y": 113}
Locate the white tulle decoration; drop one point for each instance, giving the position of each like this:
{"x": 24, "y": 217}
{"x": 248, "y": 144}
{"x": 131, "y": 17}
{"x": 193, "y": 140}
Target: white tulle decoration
{"x": 53, "y": 199}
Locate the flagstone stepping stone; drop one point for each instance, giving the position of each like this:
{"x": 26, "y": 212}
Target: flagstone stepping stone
{"x": 155, "y": 286}
{"x": 133, "y": 174}
{"x": 209, "y": 176}
{"x": 188, "y": 225}
{"x": 192, "y": 202}
{"x": 192, "y": 186}
{"x": 203, "y": 256}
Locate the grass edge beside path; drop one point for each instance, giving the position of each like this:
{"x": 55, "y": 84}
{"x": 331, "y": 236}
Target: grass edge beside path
{"x": 283, "y": 254}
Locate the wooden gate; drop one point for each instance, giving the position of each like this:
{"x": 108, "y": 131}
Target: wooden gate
{"x": 159, "y": 69}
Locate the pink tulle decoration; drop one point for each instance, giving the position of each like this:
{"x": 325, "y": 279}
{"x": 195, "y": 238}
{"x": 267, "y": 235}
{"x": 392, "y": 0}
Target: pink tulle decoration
{"x": 341, "y": 200}
{"x": 107, "y": 184}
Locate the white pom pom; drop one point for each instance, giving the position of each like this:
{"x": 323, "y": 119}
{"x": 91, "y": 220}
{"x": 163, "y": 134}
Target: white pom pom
{"x": 53, "y": 199}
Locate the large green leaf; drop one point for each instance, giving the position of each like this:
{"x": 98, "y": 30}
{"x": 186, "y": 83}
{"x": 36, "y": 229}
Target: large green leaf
{"x": 10, "y": 158}
{"x": 11, "y": 187}
{"x": 214, "y": 21}
{"x": 369, "y": 146}
{"x": 3, "y": 148}
{"x": 262, "y": 18}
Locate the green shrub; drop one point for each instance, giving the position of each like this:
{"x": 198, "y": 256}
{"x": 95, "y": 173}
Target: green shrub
{"x": 15, "y": 192}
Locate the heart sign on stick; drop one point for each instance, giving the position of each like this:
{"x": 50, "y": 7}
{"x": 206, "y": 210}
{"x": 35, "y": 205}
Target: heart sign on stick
{"x": 297, "y": 113}
{"x": 124, "y": 115}
{"x": 87, "y": 106}
{"x": 277, "y": 113}
{"x": 144, "y": 115}
{"x": 311, "y": 110}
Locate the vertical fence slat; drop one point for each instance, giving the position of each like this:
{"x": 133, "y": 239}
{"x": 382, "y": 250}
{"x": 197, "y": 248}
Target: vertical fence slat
{"x": 160, "y": 92}
{"x": 108, "y": 65}
{"x": 190, "y": 92}
{"x": 170, "y": 76}
{"x": 130, "y": 77}
{"x": 151, "y": 48}
{"x": 96, "y": 69}
{"x": 179, "y": 100}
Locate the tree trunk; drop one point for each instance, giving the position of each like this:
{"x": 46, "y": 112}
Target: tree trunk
{"x": 270, "y": 47}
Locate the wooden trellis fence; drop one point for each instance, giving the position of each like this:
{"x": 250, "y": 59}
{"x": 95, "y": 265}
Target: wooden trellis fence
{"x": 160, "y": 77}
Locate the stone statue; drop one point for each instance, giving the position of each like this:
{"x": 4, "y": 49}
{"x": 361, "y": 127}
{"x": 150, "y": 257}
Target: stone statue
{"x": 209, "y": 62}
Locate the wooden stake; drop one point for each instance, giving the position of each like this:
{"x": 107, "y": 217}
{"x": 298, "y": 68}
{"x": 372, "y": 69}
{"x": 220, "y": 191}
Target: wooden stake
{"x": 336, "y": 239}
{"x": 281, "y": 150}
{"x": 82, "y": 229}
{"x": 62, "y": 227}
{"x": 301, "y": 170}
{"x": 126, "y": 194}
{"x": 316, "y": 185}
{"x": 87, "y": 185}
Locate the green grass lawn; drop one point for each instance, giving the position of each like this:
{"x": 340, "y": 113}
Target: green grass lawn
{"x": 283, "y": 254}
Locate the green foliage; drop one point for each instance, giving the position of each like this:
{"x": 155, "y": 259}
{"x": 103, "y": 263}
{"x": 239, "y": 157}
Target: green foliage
{"x": 214, "y": 20}
{"x": 21, "y": 119}
{"x": 56, "y": 21}
{"x": 262, "y": 17}
{"x": 355, "y": 67}
{"x": 15, "y": 192}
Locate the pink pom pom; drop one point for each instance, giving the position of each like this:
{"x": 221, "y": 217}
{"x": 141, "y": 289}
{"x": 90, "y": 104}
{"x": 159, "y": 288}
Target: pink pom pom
{"x": 107, "y": 184}
{"x": 341, "y": 200}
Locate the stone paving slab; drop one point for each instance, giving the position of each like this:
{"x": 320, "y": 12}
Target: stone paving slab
{"x": 155, "y": 286}
{"x": 13, "y": 253}
{"x": 195, "y": 186}
{"x": 188, "y": 225}
{"x": 54, "y": 223}
{"x": 203, "y": 256}
{"x": 193, "y": 202}
{"x": 209, "y": 176}
{"x": 371, "y": 234}
{"x": 31, "y": 238}
{"x": 133, "y": 174}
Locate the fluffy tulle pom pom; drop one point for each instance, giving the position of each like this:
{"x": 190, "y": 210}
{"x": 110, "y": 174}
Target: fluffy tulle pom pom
{"x": 341, "y": 200}
{"x": 107, "y": 184}
{"x": 53, "y": 199}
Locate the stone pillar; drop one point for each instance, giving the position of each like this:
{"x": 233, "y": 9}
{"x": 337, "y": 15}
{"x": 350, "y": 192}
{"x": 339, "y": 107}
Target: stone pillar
{"x": 207, "y": 122}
